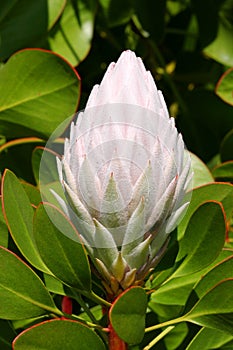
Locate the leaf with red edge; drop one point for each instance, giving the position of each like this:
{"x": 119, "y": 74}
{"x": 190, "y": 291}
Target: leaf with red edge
{"x": 38, "y": 91}
{"x": 57, "y": 335}
{"x": 60, "y": 247}
{"x": 127, "y": 315}
{"x": 218, "y": 191}
{"x": 3, "y": 228}
{"x": 224, "y": 87}
{"x": 224, "y": 171}
{"x": 22, "y": 293}
{"x": 19, "y": 214}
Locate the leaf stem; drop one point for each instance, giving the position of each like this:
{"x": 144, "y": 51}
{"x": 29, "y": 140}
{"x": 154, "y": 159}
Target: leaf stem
{"x": 100, "y": 300}
{"x": 86, "y": 309}
{"x": 165, "y": 324}
{"x": 159, "y": 337}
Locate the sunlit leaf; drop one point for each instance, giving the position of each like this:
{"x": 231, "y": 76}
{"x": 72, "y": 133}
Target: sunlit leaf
{"x": 208, "y": 338}
{"x": 38, "y": 103}
{"x": 221, "y": 49}
{"x": 215, "y": 308}
{"x": 71, "y": 36}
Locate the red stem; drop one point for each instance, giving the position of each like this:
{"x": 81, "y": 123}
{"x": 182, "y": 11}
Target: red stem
{"x": 67, "y": 305}
{"x": 115, "y": 343}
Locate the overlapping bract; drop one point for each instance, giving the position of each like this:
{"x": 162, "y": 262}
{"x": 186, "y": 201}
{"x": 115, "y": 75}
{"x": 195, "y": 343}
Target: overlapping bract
{"x": 125, "y": 174}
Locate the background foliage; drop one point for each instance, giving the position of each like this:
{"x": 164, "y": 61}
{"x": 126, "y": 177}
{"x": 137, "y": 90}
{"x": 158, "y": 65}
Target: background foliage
{"x": 48, "y": 49}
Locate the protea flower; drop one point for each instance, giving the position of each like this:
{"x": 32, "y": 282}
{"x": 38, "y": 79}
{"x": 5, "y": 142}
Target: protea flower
{"x": 125, "y": 174}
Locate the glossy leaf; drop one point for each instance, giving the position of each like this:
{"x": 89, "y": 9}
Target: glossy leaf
{"x": 220, "y": 192}
{"x": 22, "y": 293}
{"x": 47, "y": 95}
{"x": 58, "y": 334}
{"x": 176, "y": 291}
{"x": 222, "y": 271}
{"x": 208, "y": 338}
{"x": 71, "y": 36}
{"x": 61, "y": 250}
{"x": 22, "y": 23}
{"x": 224, "y": 88}
{"x": 201, "y": 174}
{"x": 127, "y": 317}
{"x": 221, "y": 48}
{"x": 19, "y": 216}
{"x": 215, "y": 308}
{"x": 203, "y": 240}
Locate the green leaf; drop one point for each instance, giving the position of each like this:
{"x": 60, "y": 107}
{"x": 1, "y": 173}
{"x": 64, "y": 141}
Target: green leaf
{"x": 38, "y": 90}
{"x": 72, "y": 34}
{"x": 3, "y": 228}
{"x": 175, "y": 338}
{"x": 215, "y": 308}
{"x": 203, "y": 240}
{"x": 224, "y": 171}
{"x": 22, "y": 293}
{"x": 54, "y": 285}
{"x": 201, "y": 174}
{"x": 127, "y": 317}
{"x": 219, "y": 192}
{"x": 19, "y": 216}
{"x": 226, "y": 150}
{"x": 60, "y": 248}
{"x": 222, "y": 271}
{"x": 221, "y": 49}
{"x": 208, "y": 338}
{"x": 224, "y": 87}
{"x": 176, "y": 291}
{"x": 57, "y": 335}
{"x": 32, "y": 192}
{"x": 22, "y": 23}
